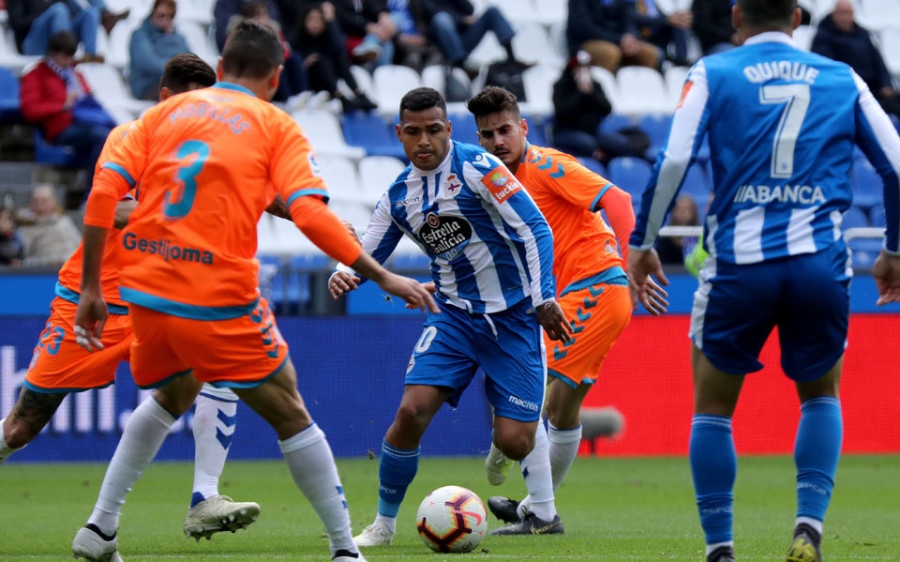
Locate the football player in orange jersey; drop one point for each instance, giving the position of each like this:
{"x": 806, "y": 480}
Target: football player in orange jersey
{"x": 592, "y": 288}
{"x": 209, "y": 162}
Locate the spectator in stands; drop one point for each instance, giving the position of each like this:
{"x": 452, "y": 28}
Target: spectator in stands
{"x": 294, "y": 78}
{"x": 152, "y": 45}
{"x": 35, "y": 21}
{"x": 326, "y": 60}
{"x": 224, "y": 10}
{"x": 674, "y": 249}
{"x": 369, "y": 30}
{"x": 12, "y": 249}
{"x": 840, "y": 38}
{"x": 453, "y": 25}
{"x": 712, "y": 26}
{"x": 664, "y": 31}
{"x": 55, "y": 97}
{"x": 50, "y": 235}
{"x": 412, "y": 48}
{"x": 579, "y": 109}
{"x": 607, "y": 30}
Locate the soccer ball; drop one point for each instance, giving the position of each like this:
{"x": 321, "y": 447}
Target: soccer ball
{"x": 451, "y": 519}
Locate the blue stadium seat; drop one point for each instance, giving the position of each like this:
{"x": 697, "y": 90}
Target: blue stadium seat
{"x": 631, "y": 174}
{"x": 864, "y": 251}
{"x": 55, "y": 155}
{"x": 868, "y": 190}
{"x": 594, "y": 166}
{"x": 272, "y": 282}
{"x": 614, "y": 121}
{"x": 876, "y": 216}
{"x": 369, "y": 131}
{"x": 10, "y": 111}
{"x": 302, "y": 266}
{"x": 697, "y": 185}
{"x": 657, "y": 128}
{"x": 854, "y": 217}
{"x": 537, "y": 130}
{"x": 464, "y": 128}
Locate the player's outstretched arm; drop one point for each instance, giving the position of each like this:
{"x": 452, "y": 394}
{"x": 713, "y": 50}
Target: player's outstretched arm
{"x": 406, "y": 288}
{"x": 91, "y": 314}
{"x": 886, "y": 272}
{"x": 641, "y": 263}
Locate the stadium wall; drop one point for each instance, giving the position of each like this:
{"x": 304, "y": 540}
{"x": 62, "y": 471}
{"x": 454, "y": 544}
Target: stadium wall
{"x": 351, "y": 372}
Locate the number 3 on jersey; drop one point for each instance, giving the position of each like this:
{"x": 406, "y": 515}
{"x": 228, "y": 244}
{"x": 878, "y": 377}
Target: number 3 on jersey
{"x": 180, "y": 199}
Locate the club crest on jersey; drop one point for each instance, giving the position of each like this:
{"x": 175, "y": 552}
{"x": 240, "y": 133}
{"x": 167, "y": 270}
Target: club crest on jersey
{"x": 501, "y": 185}
{"x": 313, "y": 164}
{"x": 453, "y": 184}
{"x": 446, "y": 237}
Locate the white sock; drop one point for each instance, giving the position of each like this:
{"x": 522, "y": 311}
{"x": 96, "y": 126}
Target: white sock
{"x": 389, "y": 522}
{"x": 711, "y": 547}
{"x": 214, "y": 424}
{"x": 814, "y": 523}
{"x": 538, "y": 480}
{"x": 143, "y": 436}
{"x": 563, "y": 450}
{"x": 5, "y": 450}
{"x": 311, "y": 463}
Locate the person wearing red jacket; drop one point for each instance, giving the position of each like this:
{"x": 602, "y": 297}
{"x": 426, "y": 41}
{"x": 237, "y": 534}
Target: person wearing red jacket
{"x": 51, "y": 91}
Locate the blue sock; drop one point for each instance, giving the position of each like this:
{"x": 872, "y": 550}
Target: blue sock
{"x": 816, "y": 454}
{"x": 397, "y": 469}
{"x": 714, "y": 467}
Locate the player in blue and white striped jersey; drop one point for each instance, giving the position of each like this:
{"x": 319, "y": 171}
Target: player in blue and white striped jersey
{"x": 782, "y": 125}
{"x": 492, "y": 267}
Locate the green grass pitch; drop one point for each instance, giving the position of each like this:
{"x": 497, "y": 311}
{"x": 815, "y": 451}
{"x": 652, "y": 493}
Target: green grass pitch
{"x": 613, "y": 509}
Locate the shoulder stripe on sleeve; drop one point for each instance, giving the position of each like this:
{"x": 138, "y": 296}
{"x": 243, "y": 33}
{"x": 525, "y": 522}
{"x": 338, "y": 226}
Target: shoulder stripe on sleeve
{"x": 121, "y": 171}
{"x": 304, "y": 192}
{"x": 600, "y": 196}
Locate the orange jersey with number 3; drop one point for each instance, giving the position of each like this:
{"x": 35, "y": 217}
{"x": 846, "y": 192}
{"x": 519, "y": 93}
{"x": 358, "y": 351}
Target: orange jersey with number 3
{"x": 568, "y": 194}
{"x": 209, "y": 162}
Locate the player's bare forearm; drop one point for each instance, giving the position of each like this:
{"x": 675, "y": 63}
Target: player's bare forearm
{"x": 124, "y": 208}
{"x": 94, "y": 242}
{"x": 886, "y": 272}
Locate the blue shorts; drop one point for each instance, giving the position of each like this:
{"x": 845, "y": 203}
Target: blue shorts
{"x": 507, "y": 345}
{"x": 807, "y": 297}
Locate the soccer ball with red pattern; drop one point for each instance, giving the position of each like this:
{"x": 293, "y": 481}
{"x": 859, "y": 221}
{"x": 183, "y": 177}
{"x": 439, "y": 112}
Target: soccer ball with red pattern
{"x": 452, "y": 519}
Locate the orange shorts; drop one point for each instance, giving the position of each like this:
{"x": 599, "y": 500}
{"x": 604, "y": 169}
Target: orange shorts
{"x": 60, "y": 365}
{"x": 237, "y": 352}
{"x": 599, "y": 314}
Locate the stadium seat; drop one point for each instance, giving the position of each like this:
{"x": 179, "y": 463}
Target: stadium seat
{"x": 272, "y": 281}
{"x": 877, "y": 15}
{"x": 863, "y": 252}
{"x": 631, "y": 174}
{"x": 300, "y": 269}
{"x": 890, "y": 48}
{"x": 370, "y": 132}
{"x": 51, "y": 155}
{"x": 854, "y": 217}
{"x": 464, "y": 127}
{"x": 537, "y": 130}
{"x": 391, "y": 84}
{"x": 324, "y": 132}
{"x": 551, "y": 13}
{"x": 109, "y": 89}
{"x": 642, "y": 90}
{"x": 341, "y": 178}
{"x": 487, "y": 52}
{"x": 615, "y": 122}
{"x": 868, "y": 189}
{"x": 532, "y": 45}
{"x": 538, "y": 82}
{"x": 116, "y": 46}
{"x": 434, "y": 76}
{"x": 877, "y": 217}
{"x": 594, "y": 166}
{"x": 675, "y": 77}
{"x": 408, "y": 256}
{"x": 356, "y": 213}
{"x": 198, "y": 41}
{"x": 9, "y": 54}
{"x": 610, "y": 86}
{"x": 10, "y": 112}
{"x": 377, "y": 173}
{"x": 697, "y": 185}
{"x": 657, "y": 128}
{"x": 198, "y": 12}
{"x": 803, "y": 36}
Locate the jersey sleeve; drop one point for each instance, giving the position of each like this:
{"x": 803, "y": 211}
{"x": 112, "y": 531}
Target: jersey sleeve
{"x": 117, "y": 173}
{"x": 689, "y": 126}
{"x": 294, "y": 174}
{"x": 500, "y": 189}
{"x": 878, "y": 139}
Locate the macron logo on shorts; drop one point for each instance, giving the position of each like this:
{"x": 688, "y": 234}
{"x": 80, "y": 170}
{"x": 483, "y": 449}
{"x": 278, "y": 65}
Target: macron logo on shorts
{"x": 523, "y": 403}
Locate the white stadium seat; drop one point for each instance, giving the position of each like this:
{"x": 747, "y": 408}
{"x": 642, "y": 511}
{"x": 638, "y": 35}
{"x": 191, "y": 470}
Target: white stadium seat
{"x": 323, "y": 130}
{"x": 642, "y": 90}
{"x": 109, "y": 89}
{"x": 376, "y": 174}
{"x": 391, "y": 84}
{"x": 341, "y": 178}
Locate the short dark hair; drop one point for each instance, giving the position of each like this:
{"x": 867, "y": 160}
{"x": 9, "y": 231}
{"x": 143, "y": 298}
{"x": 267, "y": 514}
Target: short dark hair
{"x": 420, "y": 99}
{"x": 63, "y": 42}
{"x": 767, "y": 13}
{"x": 253, "y": 50}
{"x": 494, "y": 99}
{"x": 182, "y": 70}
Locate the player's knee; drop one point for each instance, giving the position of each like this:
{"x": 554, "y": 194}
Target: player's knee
{"x": 516, "y": 446}
{"x": 412, "y": 417}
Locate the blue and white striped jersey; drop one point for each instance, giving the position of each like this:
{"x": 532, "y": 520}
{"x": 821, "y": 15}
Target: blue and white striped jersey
{"x": 782, "y": 124}
{"x": 489, "y": 245}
